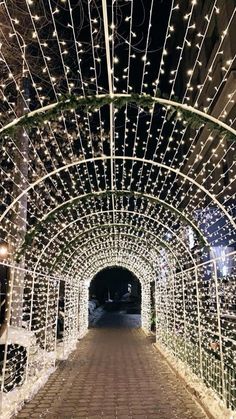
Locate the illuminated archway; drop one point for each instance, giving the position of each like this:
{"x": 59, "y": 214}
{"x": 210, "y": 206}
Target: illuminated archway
{"x": 117, "y": 149}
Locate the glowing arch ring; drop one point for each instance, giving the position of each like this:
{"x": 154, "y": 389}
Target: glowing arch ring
{"x": 141, "y": 260}
{"x": 134, "y": 213}
{"x": 124, "y": 193}
{"x": 94, "y": 228}
{"x": 112, "y": 97}
{"x": 79, "y": 162}
{"x": 96, "y": 244}
{"x": 92, "y": 247}
{"x": 114, "y": 262}
{"x": 98, "y": 237}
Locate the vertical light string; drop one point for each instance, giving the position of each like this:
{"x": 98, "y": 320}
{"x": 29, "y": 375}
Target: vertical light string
{"x": 111, "y": 93}
{"x": 218, "y": 313}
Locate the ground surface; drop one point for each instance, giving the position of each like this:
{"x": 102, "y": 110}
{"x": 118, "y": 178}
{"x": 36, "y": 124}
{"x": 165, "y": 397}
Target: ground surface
{"x": 118, "y": 320}
{"x": 114, "y": 373}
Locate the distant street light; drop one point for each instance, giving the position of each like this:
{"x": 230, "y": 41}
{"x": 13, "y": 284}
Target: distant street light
{"x": 3, "y": 250}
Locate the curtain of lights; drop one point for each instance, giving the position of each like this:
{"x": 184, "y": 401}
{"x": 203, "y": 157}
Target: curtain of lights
{"x": 117, "y": 139}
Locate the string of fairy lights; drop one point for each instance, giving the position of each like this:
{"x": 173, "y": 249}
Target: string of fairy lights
{"x": 140, "y": 188}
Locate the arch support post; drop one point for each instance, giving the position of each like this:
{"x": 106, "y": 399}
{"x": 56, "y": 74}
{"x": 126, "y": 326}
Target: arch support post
{"x": 218, "y": 313}
{"x": 199, "y": 327}
{"x": 71, "y": 316}
{"x": 146, "y": 307}
{"x": 83, "y": 309}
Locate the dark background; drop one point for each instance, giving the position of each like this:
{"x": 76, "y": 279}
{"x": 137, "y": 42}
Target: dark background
{"x": 117, "y": 280}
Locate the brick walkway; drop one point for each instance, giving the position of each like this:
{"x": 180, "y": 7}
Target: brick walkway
{"x": 114, "y": 373}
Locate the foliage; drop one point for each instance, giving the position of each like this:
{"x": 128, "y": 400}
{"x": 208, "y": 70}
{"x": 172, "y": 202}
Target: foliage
{"x": 92, "y": 103}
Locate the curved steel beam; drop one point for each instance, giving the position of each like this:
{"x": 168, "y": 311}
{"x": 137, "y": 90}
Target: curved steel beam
{"x": 97, "y": 244}
{"x": 164, "y": 244}
{"x": 112, "y": 97}
{"x": 131, "y": 225}
{"x": 121, "y": 192}
{"x": 122, "y": 247}
{"x": 128, "y": 158}
{"x": 145, "y": 262}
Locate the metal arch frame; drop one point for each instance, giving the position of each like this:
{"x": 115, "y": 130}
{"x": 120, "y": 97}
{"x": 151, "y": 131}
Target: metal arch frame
{"x": 136, "y": 238}
{"x": 135, "y": 253}
{"x": 125, "y": 192}
{"x": 148, "y": 261}
{"x": 103, "y": 265}
{"x": 104, "y": 235}
{"x": 123, "y": 265}
{"x": 96, "y": 244}
{"x": 111, "y": 95}
{"x": 137, "y": 256}
{"x": 122, "y": 247}
{"x": 141, "y": 260}
{"x": 113, "y": 263}
{"x": 140, "y": 274}
{"x": 122, "y": 243}
{"x": 131, "y": 225}
{"x": 171, "y": 272}
{"x": 94, "y": 228}
{"x": 128, "y": 158}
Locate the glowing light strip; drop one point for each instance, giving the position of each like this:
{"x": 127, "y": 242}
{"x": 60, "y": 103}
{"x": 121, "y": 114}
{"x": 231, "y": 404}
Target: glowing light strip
{"x": 178, "y": 172}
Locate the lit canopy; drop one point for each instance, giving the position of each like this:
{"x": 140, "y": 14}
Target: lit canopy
{"x": 105, "y": 181}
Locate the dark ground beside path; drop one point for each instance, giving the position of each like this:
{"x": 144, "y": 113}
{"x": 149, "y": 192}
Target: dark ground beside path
{"x": 114, "y": 373}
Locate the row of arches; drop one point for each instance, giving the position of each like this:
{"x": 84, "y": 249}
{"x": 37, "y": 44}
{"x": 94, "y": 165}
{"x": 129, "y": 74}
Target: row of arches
{"x": 117, "y": 149}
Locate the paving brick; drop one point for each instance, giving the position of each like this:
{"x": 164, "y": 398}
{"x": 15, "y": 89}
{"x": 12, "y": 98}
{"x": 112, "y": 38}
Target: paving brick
{"x": 113, "y": 374}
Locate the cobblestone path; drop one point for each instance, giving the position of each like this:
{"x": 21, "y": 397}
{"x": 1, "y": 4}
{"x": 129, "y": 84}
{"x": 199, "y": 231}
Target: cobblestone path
{"x": 114, "y": 373}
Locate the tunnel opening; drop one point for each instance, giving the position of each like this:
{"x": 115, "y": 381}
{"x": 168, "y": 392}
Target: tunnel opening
{"x": 115, "y": 299}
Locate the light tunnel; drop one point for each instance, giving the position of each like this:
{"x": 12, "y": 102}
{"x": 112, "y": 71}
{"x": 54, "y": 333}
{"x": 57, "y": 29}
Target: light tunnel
{"x": 117, "y": 149}
{"x": 70, "y": 236}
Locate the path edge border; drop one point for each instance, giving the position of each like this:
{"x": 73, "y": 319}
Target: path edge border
{"x": 207, "y": 400}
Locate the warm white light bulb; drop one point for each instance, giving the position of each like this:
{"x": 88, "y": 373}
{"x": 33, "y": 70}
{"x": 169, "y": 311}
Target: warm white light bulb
{"x": 3, "y": 250}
